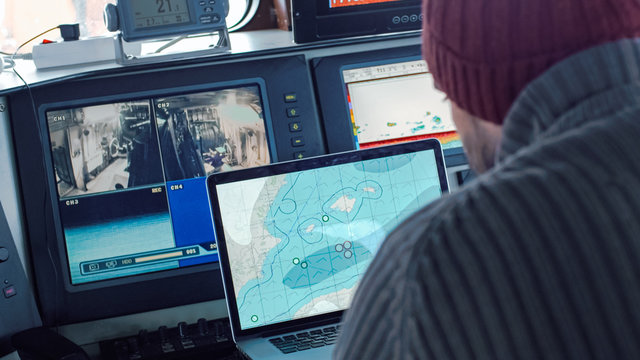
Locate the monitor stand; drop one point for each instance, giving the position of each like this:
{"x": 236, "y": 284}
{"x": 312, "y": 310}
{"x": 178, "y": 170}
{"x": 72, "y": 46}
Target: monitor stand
{"x": 222, "y": 45}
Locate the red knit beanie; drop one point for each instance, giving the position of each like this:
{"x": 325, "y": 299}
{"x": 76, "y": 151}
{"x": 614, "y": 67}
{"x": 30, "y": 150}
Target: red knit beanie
{"x": 482, "y": 53}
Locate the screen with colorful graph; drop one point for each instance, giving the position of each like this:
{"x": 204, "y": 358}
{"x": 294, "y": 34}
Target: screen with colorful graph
{"x": 397, "y": 102}
{"x": 343, "y": 3}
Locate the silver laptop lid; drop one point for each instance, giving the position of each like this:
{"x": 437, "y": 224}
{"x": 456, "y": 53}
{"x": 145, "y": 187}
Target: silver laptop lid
{"x": 296, "y": 237}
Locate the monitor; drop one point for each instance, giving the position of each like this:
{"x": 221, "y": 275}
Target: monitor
{"x": 383, "y": 97}
{"x": 394, "y": 102}
{"x": 112, "y": 169}
{"x": 153, "y": 155}
{"x": 317, "y": 20}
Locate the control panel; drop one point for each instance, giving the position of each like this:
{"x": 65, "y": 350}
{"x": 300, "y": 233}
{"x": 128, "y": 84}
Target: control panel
{"x": 205, "y": 339}
{"x": 17, "y": 306}
{"x": 404, "y": 20}
{"x": 300, "y": 98}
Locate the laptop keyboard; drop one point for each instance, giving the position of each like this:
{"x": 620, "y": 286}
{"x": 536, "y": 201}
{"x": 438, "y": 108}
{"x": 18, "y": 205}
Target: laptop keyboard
{"x": 307, "y": 339}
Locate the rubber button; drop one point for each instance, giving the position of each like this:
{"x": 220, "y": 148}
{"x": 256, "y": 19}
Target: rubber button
{"x": 290, "y": 98}
{"x": 4, "y": 254}
{"x": 9, "y": 291}
{"x": 297, "y": 141}
{"x": 293, "y": 112}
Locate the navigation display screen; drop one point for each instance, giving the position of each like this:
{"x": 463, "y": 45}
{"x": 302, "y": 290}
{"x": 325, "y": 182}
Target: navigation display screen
{"x": 299, "y": 242}
{"x": 397, "y": 102}
{"x": 150, "y": 13}
{"x": 130, "y": 177}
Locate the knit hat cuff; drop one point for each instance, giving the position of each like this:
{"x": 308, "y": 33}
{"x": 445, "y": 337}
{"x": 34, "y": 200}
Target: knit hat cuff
{"x": 484, "y": 90}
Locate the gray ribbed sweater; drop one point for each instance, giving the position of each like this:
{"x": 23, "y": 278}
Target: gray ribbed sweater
{"x": 540, "y": 257}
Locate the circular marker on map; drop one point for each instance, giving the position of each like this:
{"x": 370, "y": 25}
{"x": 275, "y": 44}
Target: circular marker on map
{"x": 347, "y": 244}
{"x": 339, "y": 247}
{"x": 325, "y": 218}
{"x": 304, "y": 264}
{"x": 348, "y": 254}
{"x": 296, "y": 261}
{"x": 254, "y": 318}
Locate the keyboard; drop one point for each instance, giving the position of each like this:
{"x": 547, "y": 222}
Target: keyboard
{"x": 306, "y": 340}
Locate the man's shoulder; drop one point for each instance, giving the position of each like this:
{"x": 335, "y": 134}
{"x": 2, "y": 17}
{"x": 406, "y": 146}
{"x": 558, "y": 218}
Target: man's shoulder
{"x": 512, "y": 190}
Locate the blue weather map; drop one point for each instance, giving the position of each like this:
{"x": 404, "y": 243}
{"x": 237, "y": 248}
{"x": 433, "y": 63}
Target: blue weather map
{"x": 299, "y": 243}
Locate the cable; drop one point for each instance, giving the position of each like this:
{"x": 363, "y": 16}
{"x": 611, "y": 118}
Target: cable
{"x": 12, "y": 60}
{"x": 7, "y": 63}
{"x": 221, "y": 41}
{"x": 16, "y": 72}
{"x": 10, "y": 63}
{"x": 170, "y": 43}
{"x": 44, "y": 167}
{"x": 35, "y": 37}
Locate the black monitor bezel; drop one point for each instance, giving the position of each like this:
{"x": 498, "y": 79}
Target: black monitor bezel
{"x": 150, "y": 96}
{"x": 293, "y": 166}
{"x": 312, "y": 18}
{"x": 330, "y": 90}
{"x": 163, "y": 290}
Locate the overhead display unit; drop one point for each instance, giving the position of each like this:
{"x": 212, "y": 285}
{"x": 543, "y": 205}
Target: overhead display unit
{"x": 317, "y": 20}
{"x": 149, "y": 19}
{"x": 137, "y": 20}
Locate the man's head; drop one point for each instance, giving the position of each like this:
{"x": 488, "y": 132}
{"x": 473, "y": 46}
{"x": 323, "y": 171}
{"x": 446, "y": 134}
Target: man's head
{"x": 482, "y": 53}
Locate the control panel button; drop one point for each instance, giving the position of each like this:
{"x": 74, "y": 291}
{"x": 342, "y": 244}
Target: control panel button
{"x": 203, "y": 3}
{"x": 293, "y": 112}
{"x": 182, "y": 329}
{"x": 298, "y": 155}
{"x": 212, "y": 2}
{"x": 206, "y": 19}
{"x": 297, "y": 141}
{"x": 396, "y": 20}
{"x": 9, "y": 291}
{"x": 208, "y": 9}
{"x": 291, "y": 97}
{"x": 405, "y": 19}
{"x": 216, "y": 18}
{"x": 295, "y": 127}
{"x": 413, "y": 18}
{"x": 4, "y": 254}
{"x": 203, "y": 327}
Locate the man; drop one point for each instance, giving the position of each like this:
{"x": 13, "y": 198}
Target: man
{"x": 539, "y": 257}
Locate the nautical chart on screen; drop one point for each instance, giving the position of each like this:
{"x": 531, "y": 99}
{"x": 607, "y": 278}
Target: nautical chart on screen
{"x": 298, "y": 243}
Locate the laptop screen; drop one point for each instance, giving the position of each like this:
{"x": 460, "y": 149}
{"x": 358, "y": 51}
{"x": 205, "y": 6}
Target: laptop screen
{"x": 298, "y": 237}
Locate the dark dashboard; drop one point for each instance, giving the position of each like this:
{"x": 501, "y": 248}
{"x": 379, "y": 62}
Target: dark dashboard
{"x": 112, "y": 162}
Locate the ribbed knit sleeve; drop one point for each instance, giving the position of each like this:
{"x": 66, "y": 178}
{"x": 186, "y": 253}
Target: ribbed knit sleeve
{"x": 537, "y": 259}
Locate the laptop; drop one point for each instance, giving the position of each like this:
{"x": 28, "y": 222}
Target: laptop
{"x": 294, "y": 239}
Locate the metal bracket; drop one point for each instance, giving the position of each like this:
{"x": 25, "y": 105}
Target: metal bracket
{"x": 122, "y": 58}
